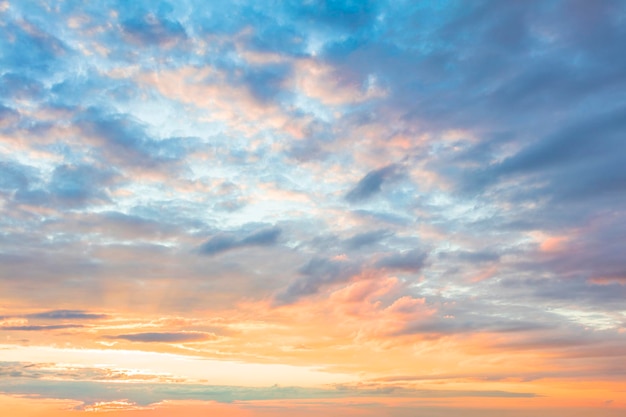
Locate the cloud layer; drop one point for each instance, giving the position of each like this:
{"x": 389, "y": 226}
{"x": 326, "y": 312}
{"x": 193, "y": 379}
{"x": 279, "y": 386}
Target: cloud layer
{"x": 356, "y": 187}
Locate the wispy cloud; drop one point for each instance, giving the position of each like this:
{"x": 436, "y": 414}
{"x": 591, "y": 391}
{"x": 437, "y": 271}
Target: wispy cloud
{"x": 165, "y": 337}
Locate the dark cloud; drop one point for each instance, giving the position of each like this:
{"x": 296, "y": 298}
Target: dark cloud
{"x": 573, "y": 289}
{"x": 410, "y": 261}
{"x": 594, "y": 138}
{"x": 218, "y": 244}
{"x": 66, "y": 314}
{"x": 223, "y": 243}
{"x": 370, "y": 184}
{"x": 472, "y": 323}
{"x": 151, "y": 29}
{"x": 165, "y": 337}
{"x": 263, "y": 237}
{"x": 317, "y": 273}
{"x": 366, "y": 239}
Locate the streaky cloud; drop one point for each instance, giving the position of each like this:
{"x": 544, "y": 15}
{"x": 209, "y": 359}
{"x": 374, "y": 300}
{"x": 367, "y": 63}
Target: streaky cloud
{"x": 223, "y": 243}
{"x": 165, "y": 337}
{"x": 37, "y": 328}
{"x": 67, "y": 314}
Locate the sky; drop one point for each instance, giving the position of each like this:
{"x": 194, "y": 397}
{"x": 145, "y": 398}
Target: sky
{"x": 313, "y": 208}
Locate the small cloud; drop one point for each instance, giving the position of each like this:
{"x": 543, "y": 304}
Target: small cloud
{"x": 218, "y": 244}
{"x": 315, "y": 274}
{"x": 66, "y": 314}
{"x": 154, "y": 30}
{"x": 165, "y": 337}
{"x": 105, "y": 406}
{"x": 370, "y": 184}
{"x": 411, "y": 261}
{"x": 42, "y": 327}
{"x": 365, "y": 239}
{"x": 262, "y": 237}
{"x": 223, "y": 243}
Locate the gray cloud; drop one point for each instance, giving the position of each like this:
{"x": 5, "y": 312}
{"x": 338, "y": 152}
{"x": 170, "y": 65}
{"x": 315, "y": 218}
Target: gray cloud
{"x": 366, "y": 239}
{"x": 317, "y": 273}
{"x": 411, "y": 261}
{"x": 370, "y": 184}
{"x": 66, "y": 314}
{"x": 223, "y": 243}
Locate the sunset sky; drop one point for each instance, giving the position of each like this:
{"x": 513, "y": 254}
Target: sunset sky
{"x": 313, "y": 208}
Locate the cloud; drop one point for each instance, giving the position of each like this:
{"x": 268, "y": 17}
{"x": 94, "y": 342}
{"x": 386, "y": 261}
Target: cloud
{"x": 66, "y": 314}
{"x": 317, "y": 273}
{"x": 29, "y": 49}
{"x": 20, "y": 87}
{"x": 370, "y": 184}
{"x": 73, "y": 184}
{"x": 410, "y": 261}
{"x": 79, "y": 384}
{"x": 36, "y": 328}
{"x": 13, "y": 176}
{"x": 165, "y": 337}
{"x": 151, "y": 29}
{"x": 154, "y": 153}
{"x": 223, "y": 243}
{"x": 266, "y": 82}
{"x": 262, "y": 238}
{"x": 70, "y": 186}
{"x": 124, "y": 140}
{"x": 366, "y": 239}
{"x": 471, "y": 323}
{"x": 218, "y": 244}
